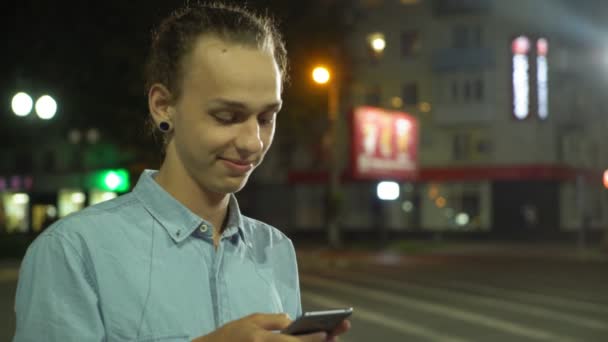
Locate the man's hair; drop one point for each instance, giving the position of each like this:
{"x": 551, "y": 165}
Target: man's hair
{"x": 175, "y": 37}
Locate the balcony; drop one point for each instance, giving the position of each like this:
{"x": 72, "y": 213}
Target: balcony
{"x": 459, "y": 59}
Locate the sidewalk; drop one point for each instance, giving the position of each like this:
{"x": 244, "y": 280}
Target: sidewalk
{"x": 429, "y": 252}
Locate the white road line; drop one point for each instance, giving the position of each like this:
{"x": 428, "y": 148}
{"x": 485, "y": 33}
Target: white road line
{"x": 564, "y": 288}
{"x": 520, "y": 294}
{"x": 493, "y": 302}
{"x": 400, "y": 325}
{"x": 438, "y": 309}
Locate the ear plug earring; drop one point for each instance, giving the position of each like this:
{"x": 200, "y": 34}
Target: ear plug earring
{"x": 164, "y": 126}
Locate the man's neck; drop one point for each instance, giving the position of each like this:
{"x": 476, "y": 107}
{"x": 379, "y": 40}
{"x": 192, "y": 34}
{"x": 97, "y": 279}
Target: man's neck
{"x": 212, "y": 207}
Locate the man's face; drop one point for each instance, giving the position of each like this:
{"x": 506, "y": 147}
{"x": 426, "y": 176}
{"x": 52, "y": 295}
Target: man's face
{"x": 224, "y": 120}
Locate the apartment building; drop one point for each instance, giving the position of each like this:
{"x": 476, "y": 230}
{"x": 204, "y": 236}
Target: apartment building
{"x": 512, "y": 116}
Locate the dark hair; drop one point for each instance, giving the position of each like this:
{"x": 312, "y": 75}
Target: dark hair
{"x": 176, "y": 35}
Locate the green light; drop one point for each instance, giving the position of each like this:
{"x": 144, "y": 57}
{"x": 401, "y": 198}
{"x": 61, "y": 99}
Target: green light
{"x": 111, "y": 180}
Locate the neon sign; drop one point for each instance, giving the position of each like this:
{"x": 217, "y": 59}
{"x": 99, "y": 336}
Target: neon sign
{"x": 542, "y": 49}
{"x": 520, "y": 48}
{"x": 523, "y": 78}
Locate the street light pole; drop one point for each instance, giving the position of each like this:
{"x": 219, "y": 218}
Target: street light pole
{"x": 334, "y": 197}
{"x": 322, "y": 75}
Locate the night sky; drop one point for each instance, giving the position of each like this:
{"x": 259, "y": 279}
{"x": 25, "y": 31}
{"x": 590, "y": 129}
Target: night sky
{"x": 90, "y": 57}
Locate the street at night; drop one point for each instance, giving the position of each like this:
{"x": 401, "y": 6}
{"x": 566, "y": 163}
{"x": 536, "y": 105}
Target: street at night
{"x": 171, "y": 167}
{"x": 432, "y": 297}
{"x": 466, "y": 299}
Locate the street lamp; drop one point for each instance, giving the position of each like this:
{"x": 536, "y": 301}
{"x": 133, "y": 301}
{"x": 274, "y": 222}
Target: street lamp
{"x": 46, "y": 107}
{"x": 322, "y": 75}
{"x": 377, "y": 43}
{"x": 22, "y": 104}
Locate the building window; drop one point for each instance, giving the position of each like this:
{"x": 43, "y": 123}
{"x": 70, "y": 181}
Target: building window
{"x": 466, "y": 36}
{"x": 459, "y": 36}
{"x": 373, "y": 96}
{"x": 461, "y": 146}
{"x": 410, "y": 43}
{"x": 410, "y": 93}
{"x": 470, "y": 146}
{"x": 478, "y": 90}
{"x": 475, "y": 34}
{"x": 467, "y": 91}
{"x": 455, "y": 91}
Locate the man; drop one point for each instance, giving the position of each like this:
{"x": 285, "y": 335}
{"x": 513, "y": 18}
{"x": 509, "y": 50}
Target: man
{"x": 174, "y": 260}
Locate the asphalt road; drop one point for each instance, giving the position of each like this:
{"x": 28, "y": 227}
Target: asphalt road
{"x": 466, "y": 299}
{"x": 445, "y": 299}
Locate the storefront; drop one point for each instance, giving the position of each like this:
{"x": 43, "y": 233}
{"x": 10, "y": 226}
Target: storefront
{"x": 28, "y": 204}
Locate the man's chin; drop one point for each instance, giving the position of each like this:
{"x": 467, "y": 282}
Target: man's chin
{"x": 233, "y": 184}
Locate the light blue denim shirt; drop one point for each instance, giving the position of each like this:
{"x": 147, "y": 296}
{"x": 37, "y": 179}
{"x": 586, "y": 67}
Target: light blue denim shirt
{"x": 142, "y": 267}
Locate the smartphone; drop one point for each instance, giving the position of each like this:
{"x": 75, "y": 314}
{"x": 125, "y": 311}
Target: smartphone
{"x": 315, "y": 321}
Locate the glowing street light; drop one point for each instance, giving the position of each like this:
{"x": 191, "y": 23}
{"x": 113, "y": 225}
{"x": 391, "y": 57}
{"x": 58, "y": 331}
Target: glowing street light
{"x": 46, "y": 107}
{"x": 321, "y": 75}
{"x": 378, "y": 44}
{"x": 606, "y": 179}
{"x": 22, "y": 104}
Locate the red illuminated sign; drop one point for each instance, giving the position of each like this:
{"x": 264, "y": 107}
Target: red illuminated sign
{"x": 384, "y": 144}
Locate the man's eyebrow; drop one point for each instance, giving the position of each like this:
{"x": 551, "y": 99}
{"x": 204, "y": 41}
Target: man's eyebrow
{"x": 276, "y": 106}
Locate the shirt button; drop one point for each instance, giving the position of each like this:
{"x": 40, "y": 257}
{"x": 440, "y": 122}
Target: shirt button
{"x": 203, "y": 228}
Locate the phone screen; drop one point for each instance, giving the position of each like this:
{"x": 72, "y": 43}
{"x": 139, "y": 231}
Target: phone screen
{"x": 316, "y": 321}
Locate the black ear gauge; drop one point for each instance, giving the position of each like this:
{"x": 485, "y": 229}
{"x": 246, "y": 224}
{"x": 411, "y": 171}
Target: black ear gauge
{"x": 164, "y": 126}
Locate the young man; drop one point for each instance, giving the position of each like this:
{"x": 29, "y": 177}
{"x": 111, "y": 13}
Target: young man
{"x": 174, "y": 260}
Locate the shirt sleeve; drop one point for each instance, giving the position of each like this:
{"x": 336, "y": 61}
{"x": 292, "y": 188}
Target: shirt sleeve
{"x": 56, "y": 297}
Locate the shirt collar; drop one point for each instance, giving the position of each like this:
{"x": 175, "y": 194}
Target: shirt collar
{"x": 179, "y": 221}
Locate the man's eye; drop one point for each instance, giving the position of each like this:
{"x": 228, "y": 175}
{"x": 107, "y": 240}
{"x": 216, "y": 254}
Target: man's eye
{"x": 225, "y": 117}
{"x": 266, "y": 119}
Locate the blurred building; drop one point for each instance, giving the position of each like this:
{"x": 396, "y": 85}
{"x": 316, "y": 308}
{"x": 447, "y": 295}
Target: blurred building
{"x": 47, "y": 177}
{"x": 509, "y": 96}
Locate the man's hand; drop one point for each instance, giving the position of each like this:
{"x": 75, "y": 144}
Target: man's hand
{"x": 341, "y": 329}
{"x": 259, "y": 328}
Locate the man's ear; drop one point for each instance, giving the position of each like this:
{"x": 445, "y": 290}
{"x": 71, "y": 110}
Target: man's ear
{"x": 160, "y": 103}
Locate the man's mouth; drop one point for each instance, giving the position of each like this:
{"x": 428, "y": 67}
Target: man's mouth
{"x": 238, "y": 165}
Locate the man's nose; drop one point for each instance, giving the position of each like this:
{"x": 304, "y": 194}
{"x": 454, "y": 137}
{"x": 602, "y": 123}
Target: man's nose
{"x": 249, "y": 140}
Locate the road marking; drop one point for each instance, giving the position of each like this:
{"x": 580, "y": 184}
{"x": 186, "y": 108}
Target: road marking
{"x": 520, "y": 294}
{"x": 557, "y": 284}
{"x": 498, "y": 303}
{"x": 9, "y": 274}
{"x": 438, "y": 309}
{"x": 378, "y": 318}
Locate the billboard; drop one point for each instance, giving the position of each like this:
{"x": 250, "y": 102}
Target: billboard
{"x": 384, "y": 144}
